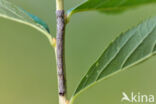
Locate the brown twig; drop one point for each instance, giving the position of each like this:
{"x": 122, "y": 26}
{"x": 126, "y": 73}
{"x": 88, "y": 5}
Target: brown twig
{"x": 60, "y": 57}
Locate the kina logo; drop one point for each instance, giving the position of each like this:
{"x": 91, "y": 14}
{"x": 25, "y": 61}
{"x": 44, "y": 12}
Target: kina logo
{"x": 137, "y": 98}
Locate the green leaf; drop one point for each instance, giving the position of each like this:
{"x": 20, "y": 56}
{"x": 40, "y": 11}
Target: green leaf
{"x": 14, "y": 13}
{"x": 38, "y": 20}
{"x": 108, "y": 5}
{"x": 129, "y": 49}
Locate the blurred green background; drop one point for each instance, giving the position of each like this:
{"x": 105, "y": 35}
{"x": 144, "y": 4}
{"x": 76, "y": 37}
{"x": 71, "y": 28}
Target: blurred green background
{"x": 27, "y": 61}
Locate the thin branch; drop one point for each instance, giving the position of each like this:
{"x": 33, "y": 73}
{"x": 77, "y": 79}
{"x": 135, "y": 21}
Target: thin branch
{"x": 60, "y": 58}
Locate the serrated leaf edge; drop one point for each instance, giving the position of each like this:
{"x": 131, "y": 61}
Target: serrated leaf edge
{"x": 114, "y": 73}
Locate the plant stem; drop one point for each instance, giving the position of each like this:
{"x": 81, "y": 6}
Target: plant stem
{"x": 60, "y": 58}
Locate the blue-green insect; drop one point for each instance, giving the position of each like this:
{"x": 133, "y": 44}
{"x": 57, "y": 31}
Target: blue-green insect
{"x": 37, "y": 20}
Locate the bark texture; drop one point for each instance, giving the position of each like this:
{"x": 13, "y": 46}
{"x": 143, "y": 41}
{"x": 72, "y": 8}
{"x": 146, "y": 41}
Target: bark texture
{"x": 60, "y": 57}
